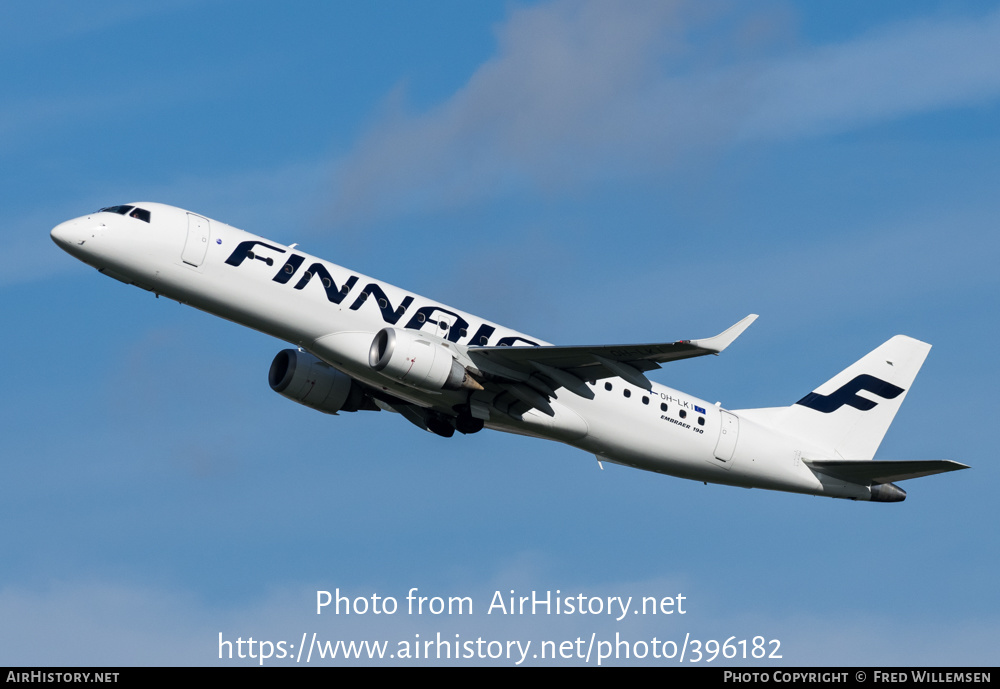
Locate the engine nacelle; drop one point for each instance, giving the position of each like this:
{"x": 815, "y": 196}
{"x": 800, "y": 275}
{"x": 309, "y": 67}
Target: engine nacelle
{"x": 413, "y": 358}
{"x": 305, "y": 379}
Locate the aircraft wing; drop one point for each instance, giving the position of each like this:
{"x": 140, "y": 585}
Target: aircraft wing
{"x": 866, "y": 471}
{"x": 569, "y": 367}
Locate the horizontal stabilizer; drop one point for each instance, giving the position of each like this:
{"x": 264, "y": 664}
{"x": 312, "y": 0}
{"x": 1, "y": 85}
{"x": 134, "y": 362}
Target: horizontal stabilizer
{"x": 867, "y": 471}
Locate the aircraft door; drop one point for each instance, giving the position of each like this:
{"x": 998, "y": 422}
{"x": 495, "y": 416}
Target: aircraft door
{"x": 728, "y": 435}
{"x": 196, "y": 244}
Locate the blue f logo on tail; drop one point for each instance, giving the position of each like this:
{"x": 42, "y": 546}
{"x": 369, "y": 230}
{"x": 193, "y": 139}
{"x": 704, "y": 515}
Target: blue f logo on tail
{"x": 847, "y": 394}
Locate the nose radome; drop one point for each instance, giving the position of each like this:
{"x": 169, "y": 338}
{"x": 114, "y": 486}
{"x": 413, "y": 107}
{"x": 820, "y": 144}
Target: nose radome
{"x": 70, "y": 234}
{"x": 66, "y": 234}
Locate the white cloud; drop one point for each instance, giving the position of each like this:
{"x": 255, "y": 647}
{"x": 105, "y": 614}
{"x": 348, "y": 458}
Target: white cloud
{"x": 584, "y": 91}
{"x": 555, "y": 98}
{"x": 905, "y": 69}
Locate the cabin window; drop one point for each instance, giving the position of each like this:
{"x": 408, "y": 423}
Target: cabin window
{"x": 607, "y": 386}
{"x": 663, "y": 406}
{"x": 627, "y": 392}
{"x": 683, "y": 414}
{"x": 701, "y": 420}
{"x": 645, "y": 400}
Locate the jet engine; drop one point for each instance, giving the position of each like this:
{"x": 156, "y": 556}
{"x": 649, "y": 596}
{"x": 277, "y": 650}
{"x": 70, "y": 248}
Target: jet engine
{"x": 413, "y": 358}
{"x": 305, "y": 379}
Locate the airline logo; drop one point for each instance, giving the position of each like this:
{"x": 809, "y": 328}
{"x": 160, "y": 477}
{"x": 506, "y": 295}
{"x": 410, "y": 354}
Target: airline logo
{"x": 848, "y": 394}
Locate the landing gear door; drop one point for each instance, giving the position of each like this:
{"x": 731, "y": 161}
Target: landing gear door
{"x": 197, "y": 240}
{"x": 729, "y": 433}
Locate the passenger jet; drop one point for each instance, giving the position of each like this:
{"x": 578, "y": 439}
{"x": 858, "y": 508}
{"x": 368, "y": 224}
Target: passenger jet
{"x": 362, "y": 344}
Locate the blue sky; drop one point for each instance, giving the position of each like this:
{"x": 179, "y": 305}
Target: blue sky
{"x": 587, "y": 172}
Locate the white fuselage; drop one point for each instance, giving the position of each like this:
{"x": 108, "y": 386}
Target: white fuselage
{"x": 320, "y": 307}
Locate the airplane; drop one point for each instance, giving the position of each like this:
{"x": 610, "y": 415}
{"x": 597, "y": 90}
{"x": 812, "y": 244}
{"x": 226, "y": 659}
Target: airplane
{"x": 362, "y": 344}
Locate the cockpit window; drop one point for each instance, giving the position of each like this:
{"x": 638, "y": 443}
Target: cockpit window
{"x": 131, "y": 211}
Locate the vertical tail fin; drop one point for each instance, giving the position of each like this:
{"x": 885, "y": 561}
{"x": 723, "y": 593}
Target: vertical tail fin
{"x": 851, "y": 412}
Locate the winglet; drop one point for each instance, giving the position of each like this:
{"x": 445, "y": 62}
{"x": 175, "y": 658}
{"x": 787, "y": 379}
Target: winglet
{"x": 721, "y": 341}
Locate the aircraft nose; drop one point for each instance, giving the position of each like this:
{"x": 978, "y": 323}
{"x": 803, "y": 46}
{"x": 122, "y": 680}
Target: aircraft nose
{"x": 67, "y": 235}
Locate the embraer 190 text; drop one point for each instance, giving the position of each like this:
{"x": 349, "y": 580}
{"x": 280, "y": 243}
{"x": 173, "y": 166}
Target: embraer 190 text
{"x": 363, "y": 344}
